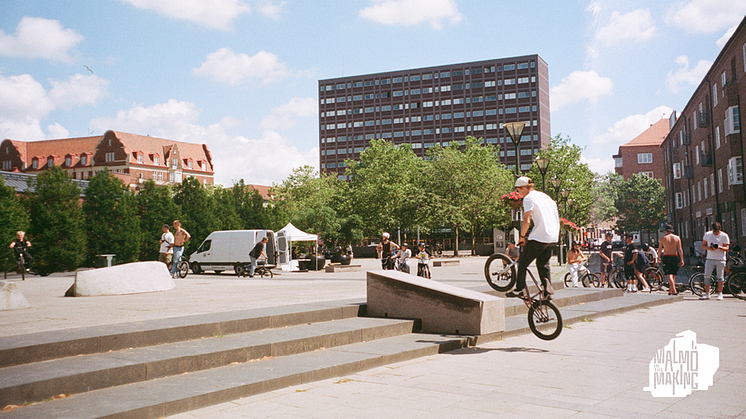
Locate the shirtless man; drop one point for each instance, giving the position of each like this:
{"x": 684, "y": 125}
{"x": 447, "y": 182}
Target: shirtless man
{"x": 671, "y": 256}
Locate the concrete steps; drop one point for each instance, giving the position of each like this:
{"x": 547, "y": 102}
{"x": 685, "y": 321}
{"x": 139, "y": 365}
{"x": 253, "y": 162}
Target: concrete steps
{"x": 159, "y": 368}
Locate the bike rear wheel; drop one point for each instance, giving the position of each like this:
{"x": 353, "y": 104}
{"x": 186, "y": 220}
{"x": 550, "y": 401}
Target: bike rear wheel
{"x": 183, "y": 268}
{"x": 620, "y": 280}
{"x": 737, "y": 285}
{"x": 497, "y": 273}
{"x": 544, "y": 319}
{"x": 654, "y": 278}
{"x": 697, "y": 284}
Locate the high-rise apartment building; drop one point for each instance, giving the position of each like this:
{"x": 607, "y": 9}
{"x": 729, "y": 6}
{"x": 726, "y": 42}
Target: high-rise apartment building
{"x": 436, "y": 105}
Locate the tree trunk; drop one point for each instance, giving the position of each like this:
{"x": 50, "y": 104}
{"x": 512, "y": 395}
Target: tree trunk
{"x": 455, "y": 241}
{"x": 473, "y": 243}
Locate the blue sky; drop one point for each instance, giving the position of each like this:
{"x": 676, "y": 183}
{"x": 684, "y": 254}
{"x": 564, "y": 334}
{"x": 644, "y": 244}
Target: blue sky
{"x": 241, "y": 75}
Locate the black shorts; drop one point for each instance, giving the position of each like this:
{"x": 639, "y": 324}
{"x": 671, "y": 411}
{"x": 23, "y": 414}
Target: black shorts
{"x": 629, "y": 271}
{"x": 606, "y": 267}
{"x": 670, "y": 264}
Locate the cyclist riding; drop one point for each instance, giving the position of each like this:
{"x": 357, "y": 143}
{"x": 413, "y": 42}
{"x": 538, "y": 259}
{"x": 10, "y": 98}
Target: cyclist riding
{"x": 21, "y": 245}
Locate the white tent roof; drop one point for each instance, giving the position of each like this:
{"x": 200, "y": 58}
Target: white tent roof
{"x": 294, "y": 234}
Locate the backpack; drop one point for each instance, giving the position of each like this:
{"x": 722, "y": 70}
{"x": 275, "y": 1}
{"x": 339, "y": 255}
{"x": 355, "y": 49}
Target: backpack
{"x": 642, "y": 260}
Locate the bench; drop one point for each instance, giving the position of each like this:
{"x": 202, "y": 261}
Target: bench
{"x": 334, "y": 267}
{"x": 446, "y": 262}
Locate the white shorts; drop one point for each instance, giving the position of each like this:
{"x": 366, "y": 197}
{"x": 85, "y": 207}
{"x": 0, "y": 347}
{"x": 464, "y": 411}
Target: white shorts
{"x": 718, "y": 266}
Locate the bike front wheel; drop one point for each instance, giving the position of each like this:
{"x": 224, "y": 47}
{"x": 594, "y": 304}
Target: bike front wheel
{"x": 654, "y": 278}
{"x": 737, "y": 285}
{"x": 545, "y": 320}
{"x": 22, "y": 266}
{"x": 500, "y": 275}
{"x": 697, "y": 284}
{"x": 183, "y": 267}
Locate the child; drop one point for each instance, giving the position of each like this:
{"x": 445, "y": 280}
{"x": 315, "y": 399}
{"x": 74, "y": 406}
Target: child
{"x": 423, "y": 267}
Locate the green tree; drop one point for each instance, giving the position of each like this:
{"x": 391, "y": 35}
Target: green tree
{"x": 13, "y": 217}
{"x": 385, "y": 188}
{"x": 226, "y": 209}
{"x": 111, "y": 220}
{"x": 156, "y": 207}
{"x": 575, "y": 176}
{"x": 249, "y": 205}
{"x": 464, "y": 184}
{"x": 57, "y": 222}
{"x": 640, "y": 204}
{"x": 604, "y": 193}
{"x": 198, "y": 212}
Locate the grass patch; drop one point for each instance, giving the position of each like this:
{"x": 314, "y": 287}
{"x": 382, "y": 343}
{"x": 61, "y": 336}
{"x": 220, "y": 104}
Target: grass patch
{"x": 587, "y": 320}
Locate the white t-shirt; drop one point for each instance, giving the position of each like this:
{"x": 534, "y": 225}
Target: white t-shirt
{"x": 423, "y": 257}
{"x": 404, "y": 256}
{"x": 168, "y": 240}
{"x": 721, "y": 239}
{"x": 544, "y": 215}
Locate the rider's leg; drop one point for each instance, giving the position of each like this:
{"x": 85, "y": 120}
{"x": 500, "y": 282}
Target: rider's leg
{"x": 543, "y": 267}
{"x": 252, "y": 267}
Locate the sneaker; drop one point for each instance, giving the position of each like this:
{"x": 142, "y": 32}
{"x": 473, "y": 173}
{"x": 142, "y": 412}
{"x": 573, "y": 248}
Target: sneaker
{"x": 705, "y": 297}
{"x": 646, "y": 290}
{"x": 514, "y": 294}
{"x": 720, "y": 296}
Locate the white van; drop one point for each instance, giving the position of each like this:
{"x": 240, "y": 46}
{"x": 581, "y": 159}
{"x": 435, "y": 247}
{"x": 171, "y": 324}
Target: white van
{"x": 224, "y": 250}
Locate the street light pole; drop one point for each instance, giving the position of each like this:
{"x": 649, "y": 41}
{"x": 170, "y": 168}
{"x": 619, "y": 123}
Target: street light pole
{"x": 563, "y": 194}
{"x": 515, "y": 130}
{"x": 543, "y": 164}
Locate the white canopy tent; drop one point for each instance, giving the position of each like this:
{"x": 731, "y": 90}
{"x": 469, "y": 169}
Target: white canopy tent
{"x": 285, "y": 237}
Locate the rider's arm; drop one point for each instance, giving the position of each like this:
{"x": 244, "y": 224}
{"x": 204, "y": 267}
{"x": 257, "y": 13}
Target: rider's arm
{"x": 524, "y": 227}
{"x": 13, "y": 244}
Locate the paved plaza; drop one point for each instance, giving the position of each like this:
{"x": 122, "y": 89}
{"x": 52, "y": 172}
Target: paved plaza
{"x": 596, "y": 368}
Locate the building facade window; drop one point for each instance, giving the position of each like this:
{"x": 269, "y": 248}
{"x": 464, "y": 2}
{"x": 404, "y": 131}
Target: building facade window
{"x": 50, "y": 162}
{"x": 735, "y": 170}
{"x": 732, "y": 121}
{"x": 644, "y": 158}
{"x": 679, "y": 200}
{"x": 109, "y": 156}
{"x": 677, "y": 170}
{"x": 84, "y": 160}
{"x": 617, "y": 162}
{"x": 68, "y": 161}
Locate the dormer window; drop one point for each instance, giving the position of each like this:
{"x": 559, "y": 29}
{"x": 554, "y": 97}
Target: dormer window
{"x": 189, "y": 164}
{"x": 84, "y": 159}
{"x": 35, "y": 163}
{"x": 50, "y": 162}
{"x": 139, "y": 158}
{"x": 156, "y": 160}
{"x": 68, "y": 161}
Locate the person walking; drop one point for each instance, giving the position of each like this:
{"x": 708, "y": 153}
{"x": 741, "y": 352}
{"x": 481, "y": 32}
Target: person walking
{"x": 671, "y": 256}
{"x": 256, "y": 253}
{"x": 607, "y": 261}
{"x": 180, "y": 237}
{"x": 630, "y": 258}
{"x": 538, "y": 245}
{"x": 166, "y": 253}
{"x": 575, "y": 258}
{"x": 717, "y": 243}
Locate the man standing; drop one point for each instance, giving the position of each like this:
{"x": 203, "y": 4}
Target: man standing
{"x": 256, "y": 253}
{"x": 717, "y": 243}
{"x": 180, "y": 237}
{"x": 540, "y": 208}
{"x": 385, "y": 248}
{"x": 671, "y": 257}
{"x": 607, "y": 262}
{"x": 512, "y": 251}
{"x": 630, "y": 259}
{"x": 167, "y": 242}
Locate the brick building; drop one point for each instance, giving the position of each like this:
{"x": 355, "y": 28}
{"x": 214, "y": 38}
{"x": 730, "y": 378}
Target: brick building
{"x": 704, "y": 151}
{"x": 436, "y": 105}
{"x": 643, "y": 155}
{"x": 132, "y": 158}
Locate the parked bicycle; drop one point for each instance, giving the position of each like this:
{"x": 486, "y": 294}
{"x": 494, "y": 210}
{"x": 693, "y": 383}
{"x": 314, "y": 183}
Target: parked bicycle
{"x": 735, "y": 278}
{"x": 585, "y": 277}
{"x": 544, "y": 318}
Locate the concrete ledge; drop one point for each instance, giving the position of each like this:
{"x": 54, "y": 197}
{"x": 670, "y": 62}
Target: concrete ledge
{"x": 130, "y": 278}
{"x": 11, "y": 297}
{"x": 446, "y": 262}
{"x": 343, "y": 268}
{"x": 442, "y": 308}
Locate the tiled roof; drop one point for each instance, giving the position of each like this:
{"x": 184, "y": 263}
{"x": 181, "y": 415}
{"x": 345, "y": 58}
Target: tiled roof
{"x": 152, "y": 146}
{"x": 651, "y": 136}
{"x": 263, "y": 191}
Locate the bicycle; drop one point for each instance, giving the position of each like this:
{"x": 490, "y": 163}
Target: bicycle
{"x": 21, "y": 265}
{"x": 262, "y": 269}
{"x": 585, "y": 277}
{"x": 182, "y": 266}
{"x": 544, "y": 318}
{"x": 733, "y": 282}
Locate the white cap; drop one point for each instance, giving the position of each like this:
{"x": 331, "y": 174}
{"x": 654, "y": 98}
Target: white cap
{"x": 523, "y": 181}
{"x": 385, "y": 235}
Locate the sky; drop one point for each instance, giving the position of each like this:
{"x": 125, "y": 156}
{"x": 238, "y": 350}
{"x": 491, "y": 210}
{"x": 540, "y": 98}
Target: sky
{"x": 242, "y": 75}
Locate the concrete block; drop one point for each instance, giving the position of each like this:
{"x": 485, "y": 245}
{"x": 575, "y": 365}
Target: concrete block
{"x": 11, "y": 297}
{"x": 130, "y": 278}
{"x": 442, "y": 308}
{"x": 446, "y": 262}
{"x": 342, "y": 268}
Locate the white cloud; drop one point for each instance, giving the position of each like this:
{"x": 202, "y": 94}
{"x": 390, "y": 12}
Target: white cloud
{"x": 37, "y": 37}
{"x": 684, "y": 76}
{"x": 23, "y": 102}
{"x": 78, "y": 90}
{"x": 579, "y": 86}
{"x": 600, "y": 166}
{"x": 706, "y": 16}
{"x": 637, "y": 25}
{"x": 284, "y": 116}
{"x": 226, "y": 66}
{"x": 236, "y": 157}
{"x": 214, "y": 14}
{"x": 412, "y": 12}
{"x": 623, "y": 131}
{"x": 724, "y": 39}
{"x": 270, "y": 9}
{"x": 58, "y": 131}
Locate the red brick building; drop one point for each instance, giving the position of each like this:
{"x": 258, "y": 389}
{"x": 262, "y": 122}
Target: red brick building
{"x": 643, "y": 155}
{"x": 133, "y": 158}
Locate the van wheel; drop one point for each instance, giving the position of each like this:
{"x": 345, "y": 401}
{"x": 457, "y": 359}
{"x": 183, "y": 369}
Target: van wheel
{"x": 218, "y": 272}
{"x": 196, "y": 269}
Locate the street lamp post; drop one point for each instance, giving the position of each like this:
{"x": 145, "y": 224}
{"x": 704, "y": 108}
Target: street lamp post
{"x": 543, "y": 163}
{"x": 515, "y": 130}
{"x": 563, "y": 194}
{"x": 556, "y": 183}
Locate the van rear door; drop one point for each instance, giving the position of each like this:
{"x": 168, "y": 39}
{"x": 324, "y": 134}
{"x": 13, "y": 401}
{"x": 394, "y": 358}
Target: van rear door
{"x": 282, "y": 247}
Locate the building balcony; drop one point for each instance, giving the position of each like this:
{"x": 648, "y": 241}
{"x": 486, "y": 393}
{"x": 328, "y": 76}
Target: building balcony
{"x": 706, "y": 159}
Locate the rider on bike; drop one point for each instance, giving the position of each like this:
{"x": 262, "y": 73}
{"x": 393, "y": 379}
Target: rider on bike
{"x": 385, "y": 248}
{"x": 21, "y": 245}
{"x": 540, "y": 208}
